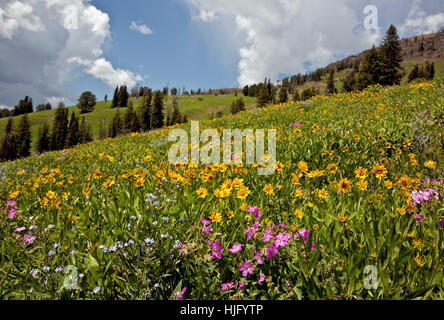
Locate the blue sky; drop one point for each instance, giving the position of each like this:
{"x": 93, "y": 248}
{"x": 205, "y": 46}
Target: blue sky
{"x": 193, "y": 43}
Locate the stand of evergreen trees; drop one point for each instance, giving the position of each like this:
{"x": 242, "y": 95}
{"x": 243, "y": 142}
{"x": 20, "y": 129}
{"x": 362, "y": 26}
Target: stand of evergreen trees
{"x": 426, "y": 72}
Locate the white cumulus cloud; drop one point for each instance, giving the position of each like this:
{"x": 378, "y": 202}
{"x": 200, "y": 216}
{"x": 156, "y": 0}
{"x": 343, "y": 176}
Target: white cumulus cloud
{"x": 142, "y": 28}
{"x": 419, "y": 22}
{"x": 292, "y": 36}
{"x": 41, "y": 39}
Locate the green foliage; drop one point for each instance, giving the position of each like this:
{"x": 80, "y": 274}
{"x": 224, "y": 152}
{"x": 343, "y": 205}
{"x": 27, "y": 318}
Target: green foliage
{"x": 87, "y": 101}
{"x": 157, "y": 116}
{"x": 59, "y": 128}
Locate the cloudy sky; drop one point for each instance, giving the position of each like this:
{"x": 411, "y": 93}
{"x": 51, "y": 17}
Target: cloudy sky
{"x": 56, "y": 49}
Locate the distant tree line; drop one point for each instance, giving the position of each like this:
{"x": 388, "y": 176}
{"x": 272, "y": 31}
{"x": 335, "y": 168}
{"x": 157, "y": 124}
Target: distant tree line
{"x": 426, "y": 71}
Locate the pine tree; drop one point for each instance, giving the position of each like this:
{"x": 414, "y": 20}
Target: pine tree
{"x": 331, "y": 83}
{"x": 59, "y": 128}
{"x": 123, "y": 97}
{"x": 369, "y": 70}
{"x": 349, "y": 82}
{"x": 414, "y": 74}
{"x": 43, "y": 139}
{"x": 144, "y": 113}
{"x": 128, "y": 117}
{"x": 115, "y": 128}
{"x": 85, "y": 134}
{"x": 73, "y": 137}
{"x": 23, "y": 137}
{"x": 296, "y": 96}
{"x": 8, "y": 149}
{"x": 157, "y": 117}
{"x": 283, "y": 94}
{"x": 115, "y": 98}
{"x": 391, "y": 58}
{"x": 262, "y": 98}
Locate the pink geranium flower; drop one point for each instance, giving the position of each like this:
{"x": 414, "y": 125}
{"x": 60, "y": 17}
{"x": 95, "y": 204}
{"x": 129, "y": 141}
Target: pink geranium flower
{"x": 236, "y": 248}
{"x": 255, "y": 210}
{"x": 246, "y": 267}
{"x": 29, "y": 238}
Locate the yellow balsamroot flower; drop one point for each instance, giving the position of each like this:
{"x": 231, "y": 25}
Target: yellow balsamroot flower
{"x": 362, "y": 185}
{"x": 416, "y": 243}
{"x": 139, "y": 182}
{"x": 294, "y": 178}
{"x": 419, "y": 261}
{"x": 110, "y": 158}
{"x": 230, "y": 214}
{"x": 148, "y": 158}
{"x": 344, "y": 185}
{"x": 361, "y": 173}
{"x": 298, "y": 193}
{"x": 342, "y": 217}
{"x": 373, "y": 255}
{"x": 345, "y": 149}
{"x": 244, "y": 207}
{"x": 430, "y": 164}
{"x": 215, "y": 216}
{"x": 332, "y": 168}
{"x": 97, "y": 174}
{"x": 404, "y": 182}
{"x": 268, "y": 189}
{"x": 298, "y": 213}
{"x": 388, "y": 184}
{"x": 202, "y": 193}
{"x": 87, "y": 189}
{"x": 379, "y": 171}
{"x": 237, "y": 183}
{"x": 401, "y": 211}
{"x": 322, "y": 194}
{"x": 108, "y": 183}
{"x": 21, "y": 172}
{"x": 13, "y": 195}
{"x": 303, "y": 166}
{"x": 71, "y": 180}
{"x": 243, "y": 193}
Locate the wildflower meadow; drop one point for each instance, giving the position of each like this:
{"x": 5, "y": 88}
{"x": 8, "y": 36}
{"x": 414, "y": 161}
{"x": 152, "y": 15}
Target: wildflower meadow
{"x": 353, "y": 210}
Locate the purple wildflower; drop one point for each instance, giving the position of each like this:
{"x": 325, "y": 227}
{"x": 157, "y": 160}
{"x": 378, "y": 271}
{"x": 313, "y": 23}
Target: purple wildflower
{"x": 236, "y": 248}
{"x": 216, "y": 248}
{"x": 29, "y": 238}
{"x": 20, "y": 229}
{"x": 258, "y": 257}
{"x": 441, "y": 222}
{"x": 281, "y": 239}
{"x": 181, "y": 294}
{"x": 255, "y": 210}
{"x": 419, "y": 218}
{"x": 246, "y": 267}
{"x": 227, "y": 286}
{"x": 261, "y": 278}
{"x": 272, "y": 250}
{"x": 268, "y": 235}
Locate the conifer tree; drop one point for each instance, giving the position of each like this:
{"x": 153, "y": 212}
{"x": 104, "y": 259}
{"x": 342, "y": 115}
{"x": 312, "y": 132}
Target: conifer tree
{"x": 157, "y": 117}
{"x": 283, "y": 95}
{"x": 123, "y": 97}
{"x": 349, "y": 82}
{"x": 23, "y": 137}
{"x": 144, "y": 113}
{"x": 390, "y": 58}
{"x": 369, "y": 70}
{"x": 43, "y": 139}
{"x": 262, "y": 98}
{"x": 59, "y": 129}
{"x": 128, "y": 118}
{"x": 73, "y": 137}
{"x": 116, "y": 125}
{"x": 115, "y": 98}
{"x": 331, "y": 84}
{"x": 8, "y": 149}
{"x": 85, "y": 134}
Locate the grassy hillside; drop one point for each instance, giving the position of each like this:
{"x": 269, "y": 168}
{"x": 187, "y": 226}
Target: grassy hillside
{"x": 196, "y": 107}
{"x": 358, "y": 183}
